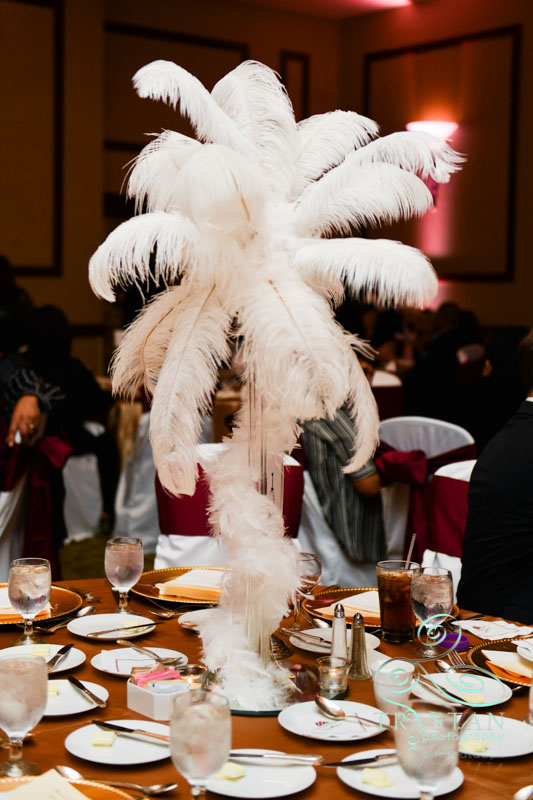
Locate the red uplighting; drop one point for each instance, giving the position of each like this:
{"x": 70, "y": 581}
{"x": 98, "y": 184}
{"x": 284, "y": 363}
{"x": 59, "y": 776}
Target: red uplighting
{"x": 444, "y": 129}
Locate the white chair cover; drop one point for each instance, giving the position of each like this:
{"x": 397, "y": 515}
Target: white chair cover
{"x": 433, "y": 436}
{"x": 315, "y": 536}
{"x": 459, "y": 470}
{"x": 12, "y": 516}
{"x": 83, "y": 498}
{"x": 383, "y": 378}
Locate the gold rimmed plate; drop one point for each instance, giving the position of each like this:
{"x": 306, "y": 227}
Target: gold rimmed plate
{"x": 62, "y": 602}
{"x": 92, "y": 790}
{"x": 477, "y": 658}
{"x": 146, "y": 587}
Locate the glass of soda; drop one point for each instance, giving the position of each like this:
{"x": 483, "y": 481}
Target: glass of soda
{"x": 394, "y": 588}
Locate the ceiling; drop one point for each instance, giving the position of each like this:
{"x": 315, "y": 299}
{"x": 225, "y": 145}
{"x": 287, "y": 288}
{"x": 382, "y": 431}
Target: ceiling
{"x": 334, "y": 9}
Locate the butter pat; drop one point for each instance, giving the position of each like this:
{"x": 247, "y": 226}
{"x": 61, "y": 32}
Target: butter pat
{"x": 41, "y": 650}
{"x": 103, "y": 738}
{"x": 473, "y": 699}
{"x": 53, "y": 688}
{"x": 377, "y": 777}
{"x": 231, "y": 772}
{"x": 471, "y": 745}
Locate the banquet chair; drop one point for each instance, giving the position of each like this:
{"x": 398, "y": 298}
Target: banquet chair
{"x": 388, "y": 391}
{"x": 436, "y": 441}
{"x": 448, "y": 511}
{"x": 185, "y": 537}
{"x": 12, "y": 520}
{"x": 83, "y": 498}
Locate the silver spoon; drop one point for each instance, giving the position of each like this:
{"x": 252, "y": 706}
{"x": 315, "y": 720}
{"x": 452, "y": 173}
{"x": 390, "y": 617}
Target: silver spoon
{"x": 156, "y": 788}
{"x": 333, "y": 711}
{"x": 83, "y": 612}
{"x": 167, "y": 660}
{"x": 443, "y": 666}
{"x": 524, "y": 793}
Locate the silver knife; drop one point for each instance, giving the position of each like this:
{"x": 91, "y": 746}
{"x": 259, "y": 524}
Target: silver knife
{"x": 438, "y": 690}
{"x": 122, "y": 731}
{"x": 87, "y": 692}
{"x": 124, "y": 629}
{"x": 59, "y": 656}
{"x": 384, "y": 758}
{"x": 307, "y": 637}
{"x": 292, "y": 757}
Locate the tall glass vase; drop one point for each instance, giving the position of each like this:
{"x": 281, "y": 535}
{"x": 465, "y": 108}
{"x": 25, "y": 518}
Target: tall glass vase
{"x": 268, "y": 467}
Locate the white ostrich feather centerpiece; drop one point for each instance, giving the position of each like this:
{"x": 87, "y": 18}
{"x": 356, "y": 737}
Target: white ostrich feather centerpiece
{"x": 233, "y": 227}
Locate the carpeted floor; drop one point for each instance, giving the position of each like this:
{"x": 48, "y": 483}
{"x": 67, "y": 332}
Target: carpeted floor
{"x": 85, "y": 559}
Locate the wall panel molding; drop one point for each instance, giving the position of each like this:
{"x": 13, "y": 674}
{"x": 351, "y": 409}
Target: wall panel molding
{"x": 295, "y": 70}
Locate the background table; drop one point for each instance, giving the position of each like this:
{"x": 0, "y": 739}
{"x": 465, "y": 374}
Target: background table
{"x": 483, "y": 779}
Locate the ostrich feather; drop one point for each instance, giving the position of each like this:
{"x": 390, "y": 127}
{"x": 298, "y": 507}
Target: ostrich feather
{"x": 381, "y": 268}
{"x": 364, "y": 412}
{"x": 156, "y": 167}
{"x": 126, "y": 254}
{"x": 141, "y": 353}
{"x": 344, "y": 198}
{"x": 164, "y": 80}
{"x": 326, "y": 139}
{"x": 422, "y": 153}
{"x": 291, "y": 346}
{"x": 253, "y": 97}
{"x": 184, "y": 390}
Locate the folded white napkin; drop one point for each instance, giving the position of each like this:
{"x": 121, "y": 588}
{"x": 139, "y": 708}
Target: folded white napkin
{"x": 197, "y": 584}
{"x": 366, "y": 602}
{"x": 7, "y": 610}
{"x": 498, "y": 629}
{"x": 509, "y": 661}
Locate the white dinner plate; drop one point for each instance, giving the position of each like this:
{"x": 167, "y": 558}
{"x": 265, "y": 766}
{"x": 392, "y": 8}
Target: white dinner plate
{"x": 125, "y": 749}
{"x": 73, "y": 658}
{"x": 101, "y": 622}
{"x": 476, "y": 690}
{"x": 120, "y": 661}
{"x": 305, "y": 719}
{"x": 403, "y": 786}
{"x": 372, "y": 642}
{"x": 264, "y": 779}
{"x": 524, "y": 651}
{"x": 504, "y": 737}
{"x": 70, "y": 700}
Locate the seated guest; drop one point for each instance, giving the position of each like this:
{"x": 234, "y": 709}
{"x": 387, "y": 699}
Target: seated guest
{"x": 498, "y": 543}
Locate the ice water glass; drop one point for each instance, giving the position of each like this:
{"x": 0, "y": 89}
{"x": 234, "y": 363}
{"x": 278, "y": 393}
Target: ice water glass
{"x": 529, "y": 716}
{"x": 431, "y": 599}
{"x": 310, "y": 571}
{"x": 200, "y": 737}
{"x": 427, "y": 747}
{"x": 29, "y": 585}
{"x": 23, "y": 696}
{"x": 124, "y": 564}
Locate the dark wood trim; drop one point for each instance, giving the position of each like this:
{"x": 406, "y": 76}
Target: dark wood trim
{"x": 110, "y": 26}
{"x": 87, "y": 330}
{"x": 515, "y": 33}
{"x": 304, "y": 59}
{"x": 123, "y": 147}
{"x": 56, "y": 268}
{"x": 118, "y": 206}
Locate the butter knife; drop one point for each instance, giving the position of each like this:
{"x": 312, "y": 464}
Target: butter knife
{"x": 87, "y": 692}
{"x": 123, "y": 629}
{"x": 307, "y": 637}
{"x": 384, "y": 758}
{"x": 291, "y": 757}
{"x": 438, "y": 690}
{"x": 123, "y": 731}
{"x": 58, "y": 657}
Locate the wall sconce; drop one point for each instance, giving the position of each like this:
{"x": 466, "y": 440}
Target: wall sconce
{"x": 443, "y": 129}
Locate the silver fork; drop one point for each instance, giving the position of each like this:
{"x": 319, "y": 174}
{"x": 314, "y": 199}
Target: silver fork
{"x": 456, "y": 659}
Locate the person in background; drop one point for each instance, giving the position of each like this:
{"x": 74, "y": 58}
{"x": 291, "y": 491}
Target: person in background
{"x": 497, "y": 554}
{"x": 16, "y": 303}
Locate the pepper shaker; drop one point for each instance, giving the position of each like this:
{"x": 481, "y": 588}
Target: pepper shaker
{"x": 338, "y": 634}
{"x": 359, "y": 666}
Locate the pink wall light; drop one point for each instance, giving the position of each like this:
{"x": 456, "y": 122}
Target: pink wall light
{"x": 438, "y": 127}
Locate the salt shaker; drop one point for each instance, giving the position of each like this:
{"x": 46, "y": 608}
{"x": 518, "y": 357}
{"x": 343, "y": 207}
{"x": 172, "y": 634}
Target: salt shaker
{"x": 359, "y": 666}
{"x": 338, "y": 634}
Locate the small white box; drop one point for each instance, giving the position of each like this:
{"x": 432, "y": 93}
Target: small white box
{"x": 153, "y": 704}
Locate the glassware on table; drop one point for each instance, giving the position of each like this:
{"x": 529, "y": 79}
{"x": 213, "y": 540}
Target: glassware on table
{"x": 432, "y": 600}
{"x": 124, "y": 564}
{"x": 200, "y": 737}
{"x": 392, "y": 682}
{"x": 29, "y": 585}
{"x": 23, "y": 696}
{"x": 427, "y": 744}
{"x": 529, "y": 716}
{"x": 394, "y": 589}
{"x": 333, "y": 676}
{"x": 310, "y": 571}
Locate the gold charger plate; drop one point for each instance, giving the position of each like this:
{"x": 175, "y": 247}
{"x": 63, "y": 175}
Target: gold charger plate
{"x": 146, "y": 586}
{"x": 62, "y": 602}
{"x": 329, "y": 596}
{"x": 92, "y": 790}
{"x": 478, "y": 659}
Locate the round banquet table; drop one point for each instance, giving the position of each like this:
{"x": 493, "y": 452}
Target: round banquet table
{"x": 483, "y": 778}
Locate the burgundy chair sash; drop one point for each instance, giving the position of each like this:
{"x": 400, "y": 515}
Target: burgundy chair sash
{"x": 187, "y": 515}
{"x": 414, "y": 468}
{"x": 448, "y": 510}
{"x": 390, "y": 401}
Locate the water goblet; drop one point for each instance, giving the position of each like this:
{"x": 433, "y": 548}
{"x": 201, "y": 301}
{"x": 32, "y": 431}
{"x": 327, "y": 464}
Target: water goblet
{"x": 23, "y": 696}
{"x": 124, "y": 564}
{"x": 427, "y": 745}
{"x": 309, "y": 570}
{"x": 29, "y": 585}
{"x": 200, "y": 737}
{"x": 431, "y": 599}
{"x": 529, "y": 716}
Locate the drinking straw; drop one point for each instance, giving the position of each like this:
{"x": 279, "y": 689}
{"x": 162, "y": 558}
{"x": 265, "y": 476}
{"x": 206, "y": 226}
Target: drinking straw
{"x": 410, "y": 553}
